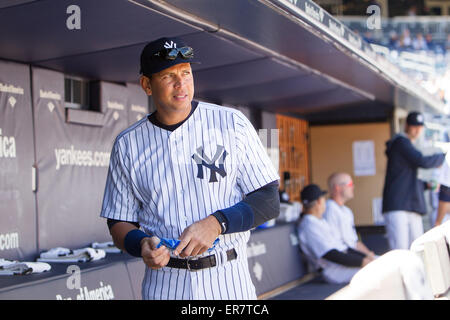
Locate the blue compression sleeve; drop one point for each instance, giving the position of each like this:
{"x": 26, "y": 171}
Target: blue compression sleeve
{"x": 237, "y": 218}
{"x": 132, "y": 242}
{"x": 258, "y": 207}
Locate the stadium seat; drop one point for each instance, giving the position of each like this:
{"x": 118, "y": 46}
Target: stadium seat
{"x": 396, "y": 275}
{"x": 432, "y": 248}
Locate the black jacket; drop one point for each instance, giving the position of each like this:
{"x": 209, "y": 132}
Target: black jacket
{"x": 402, "y": 189}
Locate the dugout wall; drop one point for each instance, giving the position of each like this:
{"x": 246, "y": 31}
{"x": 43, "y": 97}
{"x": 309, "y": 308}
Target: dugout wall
{"x": 340, "y": 143}
{"x": 54, "y": 160}
{"x": 72, "y": 158}
{"x": 17, "y": 202}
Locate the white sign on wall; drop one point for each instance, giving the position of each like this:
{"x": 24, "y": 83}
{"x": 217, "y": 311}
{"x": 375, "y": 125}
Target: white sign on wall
{"x": 364, "y": 158}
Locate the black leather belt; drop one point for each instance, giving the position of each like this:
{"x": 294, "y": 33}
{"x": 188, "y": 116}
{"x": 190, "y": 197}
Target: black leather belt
{"x": 201, "y": 263}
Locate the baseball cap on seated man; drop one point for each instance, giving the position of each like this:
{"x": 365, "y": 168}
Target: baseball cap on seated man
{"x": 415, "y": 118}
{"x": 311, "y": 193}
{"x": 164, "y": 53}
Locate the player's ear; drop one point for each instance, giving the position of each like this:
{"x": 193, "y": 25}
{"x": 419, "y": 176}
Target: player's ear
{"x": 145, "y": 84}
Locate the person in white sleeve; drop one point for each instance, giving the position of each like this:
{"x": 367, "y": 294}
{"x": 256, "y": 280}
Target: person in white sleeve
{"x": 338, "y": 215}
{"x": 443, "y": 212}
{"x": 196, "y": 178}
{"x": 322, "y": 247}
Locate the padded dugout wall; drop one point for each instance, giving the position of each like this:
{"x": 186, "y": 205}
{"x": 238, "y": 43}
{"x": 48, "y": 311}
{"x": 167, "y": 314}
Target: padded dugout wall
{"x": 17, "y": 200}
{"x": 72, "y": 150}
{"x": 137, "y": 103}
{"x": 274, "y": 257}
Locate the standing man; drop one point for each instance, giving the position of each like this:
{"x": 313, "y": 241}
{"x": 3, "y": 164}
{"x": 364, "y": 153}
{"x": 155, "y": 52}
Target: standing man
{"x": 323, "y": 248}
{"x": 403, "y": 194}
{"x": 339, "y": 216}
{"x": 187, "y": 174}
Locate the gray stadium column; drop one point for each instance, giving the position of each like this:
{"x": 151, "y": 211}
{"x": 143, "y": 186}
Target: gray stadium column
{"x": 137, "y": 103}
{"x": 17, "y": 200}
{"x": 73, "y": 149}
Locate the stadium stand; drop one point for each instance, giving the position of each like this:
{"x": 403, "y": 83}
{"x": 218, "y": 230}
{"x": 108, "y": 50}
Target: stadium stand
{"x": 419, "y": 46}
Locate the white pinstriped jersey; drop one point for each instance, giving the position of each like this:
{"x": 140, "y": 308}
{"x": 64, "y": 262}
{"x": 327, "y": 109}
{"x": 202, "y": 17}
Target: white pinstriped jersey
{"x": 167, "y": 180}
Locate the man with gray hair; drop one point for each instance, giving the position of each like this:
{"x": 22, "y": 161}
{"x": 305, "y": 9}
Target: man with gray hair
{"x": 338, "y": 215}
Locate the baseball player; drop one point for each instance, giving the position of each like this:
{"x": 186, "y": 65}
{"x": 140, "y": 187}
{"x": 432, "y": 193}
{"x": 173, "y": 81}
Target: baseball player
{"x": 322, "y": 246}
{"x": 338, "y": 215}
{"x": 195, "y": 178}
{"x": 403, "y": 193}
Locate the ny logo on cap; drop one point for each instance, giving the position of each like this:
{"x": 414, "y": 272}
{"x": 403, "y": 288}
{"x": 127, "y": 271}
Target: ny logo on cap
{"x": 202, "y": 160}
{"x": 170, "y": 45}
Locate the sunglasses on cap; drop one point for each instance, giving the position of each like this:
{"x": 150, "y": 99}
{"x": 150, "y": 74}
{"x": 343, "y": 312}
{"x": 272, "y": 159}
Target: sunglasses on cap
{"x": 172, "y": 53}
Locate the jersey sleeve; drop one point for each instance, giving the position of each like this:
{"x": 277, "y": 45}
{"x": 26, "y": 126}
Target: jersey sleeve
{"x": 444, "y": 172}
{"x": 319, "y": 243}
{"x": 318, "y": 239}
{"x": 119, "y": 200}
{"x": 415, "y": 157}
{"x": 255, "y": 168}
{"x": 332, "y": 217}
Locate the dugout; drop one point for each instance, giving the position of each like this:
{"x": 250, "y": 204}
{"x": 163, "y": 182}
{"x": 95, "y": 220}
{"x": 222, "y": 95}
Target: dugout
{"x": 270, "y": 58}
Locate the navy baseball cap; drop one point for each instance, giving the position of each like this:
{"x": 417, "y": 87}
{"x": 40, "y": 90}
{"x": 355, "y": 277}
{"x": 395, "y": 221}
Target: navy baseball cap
{"x": 164, "y": 53}
{"x": 311, "y": 193}
{"x": 415, "y": 119}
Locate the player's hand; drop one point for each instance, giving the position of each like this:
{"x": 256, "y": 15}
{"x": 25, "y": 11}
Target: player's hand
{"x": 372, "y": 255}
{"x": 153, "y": 257}
{"x": 198, "y": 237}
{"x": 366, "y": 261}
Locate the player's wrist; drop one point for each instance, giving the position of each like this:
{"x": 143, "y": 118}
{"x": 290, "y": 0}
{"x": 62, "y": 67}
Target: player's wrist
{"x": 143, "y": 240}
{"x": 133, "y": 242}
{"x": 365, "y": 261}
{"x": 221, "y": 220}
{"x": 216, "y": 224}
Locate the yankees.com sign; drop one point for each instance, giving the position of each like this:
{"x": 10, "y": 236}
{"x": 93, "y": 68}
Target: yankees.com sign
{"x": 81, "y": 158}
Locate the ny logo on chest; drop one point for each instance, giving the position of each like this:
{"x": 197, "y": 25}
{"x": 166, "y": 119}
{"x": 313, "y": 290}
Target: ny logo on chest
{"x": 204, "y": 162}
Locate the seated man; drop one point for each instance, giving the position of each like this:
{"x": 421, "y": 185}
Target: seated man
{"x": 339, "y": 216}
{"x": 321, "y": 245}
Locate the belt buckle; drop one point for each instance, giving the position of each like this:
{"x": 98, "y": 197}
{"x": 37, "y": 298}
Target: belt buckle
{"x": 188, "y": 265}
{"x": 223, "y": 256}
